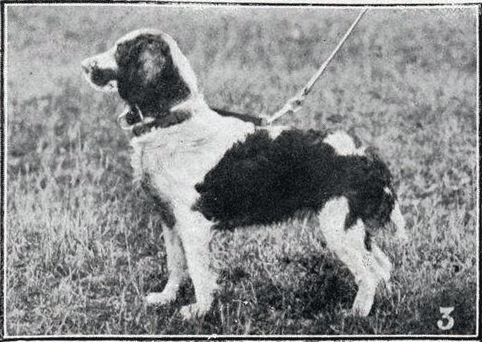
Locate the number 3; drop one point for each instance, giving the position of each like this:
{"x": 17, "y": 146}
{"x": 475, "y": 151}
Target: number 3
{"x": 445, "y": 316}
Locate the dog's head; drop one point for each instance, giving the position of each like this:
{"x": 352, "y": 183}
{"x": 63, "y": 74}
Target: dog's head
{"x": 147, "y": 69}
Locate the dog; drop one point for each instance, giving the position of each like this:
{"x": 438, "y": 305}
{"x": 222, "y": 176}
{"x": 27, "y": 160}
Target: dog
{"x": 205, "y": 170}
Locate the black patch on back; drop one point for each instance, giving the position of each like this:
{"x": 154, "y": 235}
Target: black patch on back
{"x": 263, "y": 181}
{"x": 147, "y": 76}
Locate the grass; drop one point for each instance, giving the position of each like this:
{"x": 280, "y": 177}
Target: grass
{"x": 83, "y": 247}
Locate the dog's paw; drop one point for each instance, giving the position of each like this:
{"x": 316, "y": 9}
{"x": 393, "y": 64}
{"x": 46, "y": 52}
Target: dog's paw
{"x": 360, "y": 309}
{"x": 195, "y": 310}
{"x": 160, "y": 298}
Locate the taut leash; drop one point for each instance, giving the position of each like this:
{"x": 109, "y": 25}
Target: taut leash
{"x": 294, "y": 104}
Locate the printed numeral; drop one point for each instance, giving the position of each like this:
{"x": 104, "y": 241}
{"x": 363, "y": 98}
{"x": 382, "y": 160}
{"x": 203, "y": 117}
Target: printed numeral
{"x": 447, "y": 321}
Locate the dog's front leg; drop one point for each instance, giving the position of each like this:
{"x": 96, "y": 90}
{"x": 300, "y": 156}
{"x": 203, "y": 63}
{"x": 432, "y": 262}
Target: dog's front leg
{"x": 176, "y": 265}
{"x": 195, "y": 233}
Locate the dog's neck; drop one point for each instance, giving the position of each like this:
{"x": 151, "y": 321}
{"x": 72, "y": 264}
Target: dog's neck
{"x": 134, "y": 119}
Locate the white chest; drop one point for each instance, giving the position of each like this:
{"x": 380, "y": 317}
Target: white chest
{"x": 179, "y": 157}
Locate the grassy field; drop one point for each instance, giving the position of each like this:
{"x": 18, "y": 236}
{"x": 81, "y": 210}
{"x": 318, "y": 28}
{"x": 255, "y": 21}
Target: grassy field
{"x": 83, "y": 248}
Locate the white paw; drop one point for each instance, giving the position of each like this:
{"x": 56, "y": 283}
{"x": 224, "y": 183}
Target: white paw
{"x": 364, "y": 299}
{"x": 195, "y": 310}
{"x": 361, "y": 308}
{"x": 160, "y": 298}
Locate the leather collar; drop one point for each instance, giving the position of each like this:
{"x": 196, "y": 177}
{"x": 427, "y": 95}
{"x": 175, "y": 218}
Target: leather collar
{"x": 132, "y": 119}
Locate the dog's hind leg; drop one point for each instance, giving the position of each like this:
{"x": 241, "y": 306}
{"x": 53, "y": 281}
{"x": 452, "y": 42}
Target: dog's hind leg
{"x": 176, "y": 265}
{"x": 195, "y": 232}
{"x": 368, "y": 267}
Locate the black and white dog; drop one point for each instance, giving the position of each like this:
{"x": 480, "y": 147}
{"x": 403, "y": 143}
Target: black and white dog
{"x": 206, "y": 170}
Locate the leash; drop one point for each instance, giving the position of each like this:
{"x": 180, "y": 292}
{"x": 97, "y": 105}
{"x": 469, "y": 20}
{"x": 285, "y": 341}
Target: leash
{"x": 294, "y": 104}
{"x": 257, "y": 121}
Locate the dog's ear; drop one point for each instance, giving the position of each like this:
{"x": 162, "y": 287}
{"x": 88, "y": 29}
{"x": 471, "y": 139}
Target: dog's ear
{"x": 141, "y": 65}
{"x": 153, "y": 60}
{"x": 142, "y": 62}
{"x": 148, "y": 75}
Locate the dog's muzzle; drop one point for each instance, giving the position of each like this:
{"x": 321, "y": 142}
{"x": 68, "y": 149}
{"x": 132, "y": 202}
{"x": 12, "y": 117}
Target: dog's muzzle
{"x": 99, "y": 77}
{"x": 101, "y": 72}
